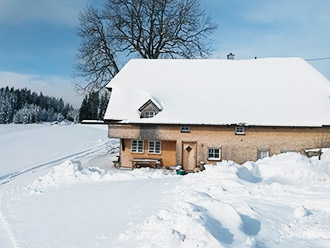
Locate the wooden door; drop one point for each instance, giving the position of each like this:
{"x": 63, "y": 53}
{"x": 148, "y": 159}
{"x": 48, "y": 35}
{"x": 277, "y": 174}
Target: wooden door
{"x": 189, "y": 155}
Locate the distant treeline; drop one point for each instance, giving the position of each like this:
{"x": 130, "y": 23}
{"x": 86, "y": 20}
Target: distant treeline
{"x": 24, "y": 106}
{"x": 94, "y": 105}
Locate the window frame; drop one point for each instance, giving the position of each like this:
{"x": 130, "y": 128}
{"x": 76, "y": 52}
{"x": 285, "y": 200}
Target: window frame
{"x": 259, "y": 151}
{"x": 285, "y": 151}
{"x": 242, "y": 132}
{"x": 214, "y": 158}
{"x": 185, "y": 128}
{"x": 154, "y": 150}
{"x": 147, "y": 114}
{"x": 136, "y": 150}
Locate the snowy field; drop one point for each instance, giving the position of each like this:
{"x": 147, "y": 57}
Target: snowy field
{"x": 59, "y": 189}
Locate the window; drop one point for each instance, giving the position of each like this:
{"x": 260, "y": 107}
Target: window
{"x": 214, "y": 153}
{"x": 185, "y": 128}
{"x": 263, "y": 154}
{"x": 154, "y": 147}
{"x": 137, "y": 146}
{"x": 239, "y": 130}
{"x": 284, "y": 151}
{"x": 148, "y": 114}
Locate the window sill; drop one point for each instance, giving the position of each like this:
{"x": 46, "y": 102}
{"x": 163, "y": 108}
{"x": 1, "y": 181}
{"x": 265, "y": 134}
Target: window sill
{"x": 214, "y": 159}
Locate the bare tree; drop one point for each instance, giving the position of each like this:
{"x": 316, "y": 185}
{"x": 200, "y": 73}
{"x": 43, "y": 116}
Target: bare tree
{"x": 149, "y": 29}
{"x": 96, "y": 53}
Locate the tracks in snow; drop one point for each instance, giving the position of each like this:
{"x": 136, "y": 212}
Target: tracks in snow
{"x": 6, "y": 236}
{"x": 9, "y": 177}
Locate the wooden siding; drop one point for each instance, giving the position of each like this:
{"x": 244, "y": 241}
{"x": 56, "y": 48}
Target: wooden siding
{"x": 168, "y": 151}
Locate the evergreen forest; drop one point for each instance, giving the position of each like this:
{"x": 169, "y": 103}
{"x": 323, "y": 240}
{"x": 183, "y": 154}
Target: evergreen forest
{"x": 94, "y": 105}
{"x": 24, "y": 106}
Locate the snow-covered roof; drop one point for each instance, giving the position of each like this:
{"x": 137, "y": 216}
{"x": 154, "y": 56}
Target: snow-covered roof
{"x": 267, "y": 92}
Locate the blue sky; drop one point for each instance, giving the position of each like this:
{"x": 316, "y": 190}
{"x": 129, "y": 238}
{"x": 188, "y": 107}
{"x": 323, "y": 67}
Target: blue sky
{"x": 38, "y": 39}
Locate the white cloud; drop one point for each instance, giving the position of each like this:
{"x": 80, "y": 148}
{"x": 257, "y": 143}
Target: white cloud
{"x": 51, "y": 86}
{"x": 55, "y": 11}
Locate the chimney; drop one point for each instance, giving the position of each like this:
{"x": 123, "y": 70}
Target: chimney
{"x": 231, "y": 56}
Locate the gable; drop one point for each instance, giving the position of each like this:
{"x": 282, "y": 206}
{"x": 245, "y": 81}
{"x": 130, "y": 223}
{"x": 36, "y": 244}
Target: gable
{"x": 269, "y": 92}
{"x": 148, "y": 108}
{"x": 150, "y": 105}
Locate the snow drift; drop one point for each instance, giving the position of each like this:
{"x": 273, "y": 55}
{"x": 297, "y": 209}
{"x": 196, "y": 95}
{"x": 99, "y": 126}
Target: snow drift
{"x": 275, "y": 202}
{"x": 71, "y": 172}
{"x": 291, "y": 167}
{"x": 205, "y": 213}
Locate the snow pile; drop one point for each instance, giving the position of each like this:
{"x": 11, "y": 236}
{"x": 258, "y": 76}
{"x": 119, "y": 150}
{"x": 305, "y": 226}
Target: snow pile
{"x": 292, "y": 167}
{"x": 70, "y": 172}
{"x": 211, "y": 209}
{"x": 67, "y": 173}
{"x": 198, "y": 218}
{"x": 286, "y": 167}
{"x": 326, "y": 154}
{"x": 203, "y": 224}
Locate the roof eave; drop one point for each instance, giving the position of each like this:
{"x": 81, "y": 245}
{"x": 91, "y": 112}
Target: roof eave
{"x": 122, "y": 122}
{"x": 112, "y": 121}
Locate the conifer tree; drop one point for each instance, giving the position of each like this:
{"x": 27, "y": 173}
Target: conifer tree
{"x": 104, "y": 99}
{"x": 84, "y": 112}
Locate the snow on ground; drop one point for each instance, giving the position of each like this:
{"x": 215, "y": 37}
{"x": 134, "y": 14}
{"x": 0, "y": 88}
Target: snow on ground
{"x": 282, "y": 201}
{"x": 23, "y": 147}
{"x": 75, "y": 207}
{"x": 75, "y": 198}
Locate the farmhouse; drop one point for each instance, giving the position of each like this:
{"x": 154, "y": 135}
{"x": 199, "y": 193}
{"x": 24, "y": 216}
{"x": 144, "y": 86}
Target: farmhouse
{"x": 190, "y": 112}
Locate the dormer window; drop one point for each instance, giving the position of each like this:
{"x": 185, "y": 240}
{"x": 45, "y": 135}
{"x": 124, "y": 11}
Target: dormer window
{"x": 148, "y": 114}
{"x": 149, "y": 109}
